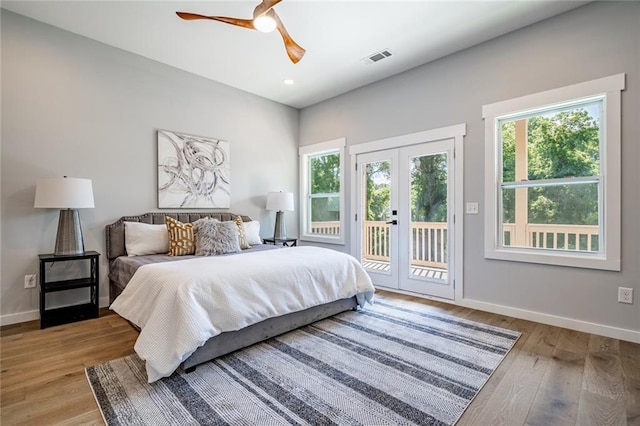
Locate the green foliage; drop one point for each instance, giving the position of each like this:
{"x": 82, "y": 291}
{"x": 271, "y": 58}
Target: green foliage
{"x": 378, "y": 190}
{"x": 325, "y": 174}
{"x": 508, "y": 135}
{"x": 429, "y": 188}
{"x": 544, "y": 207}
{"x": 562, "y": 145}
{"x": 325, "y": 209}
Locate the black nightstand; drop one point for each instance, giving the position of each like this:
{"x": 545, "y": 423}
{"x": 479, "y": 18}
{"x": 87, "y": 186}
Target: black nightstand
{"x": 287, "y": 242}
{"x": 49, "y": 317}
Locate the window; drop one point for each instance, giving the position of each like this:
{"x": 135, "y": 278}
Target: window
{"x": 553, "y": 176}
{"x": 321, "y": 192}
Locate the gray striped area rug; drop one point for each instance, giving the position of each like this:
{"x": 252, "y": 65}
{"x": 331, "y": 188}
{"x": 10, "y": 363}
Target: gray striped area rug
{"x": 393, "y": 363}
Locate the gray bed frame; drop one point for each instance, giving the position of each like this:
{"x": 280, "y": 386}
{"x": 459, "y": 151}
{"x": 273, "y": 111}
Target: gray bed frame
{"x": 233, "y": 340}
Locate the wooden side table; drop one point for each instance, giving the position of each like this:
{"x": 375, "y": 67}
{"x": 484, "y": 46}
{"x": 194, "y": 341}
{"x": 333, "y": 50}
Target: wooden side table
{"x": 57, "y": 316}
{"x": 287, "y": 242}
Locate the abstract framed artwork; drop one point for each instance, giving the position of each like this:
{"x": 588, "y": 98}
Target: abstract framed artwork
{"x": 193, "y": 171}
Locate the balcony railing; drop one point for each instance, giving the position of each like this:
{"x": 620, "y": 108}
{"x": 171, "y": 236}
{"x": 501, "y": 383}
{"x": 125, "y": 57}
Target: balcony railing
{"x": 429, "y": 239}
{"x": 563, "y": 237}
{"x": 428, "y": 243}
{"x": 326, "y": 228}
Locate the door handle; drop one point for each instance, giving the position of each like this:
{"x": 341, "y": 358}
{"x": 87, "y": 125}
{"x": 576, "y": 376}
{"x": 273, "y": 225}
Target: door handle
{"x": 392, "y": 222}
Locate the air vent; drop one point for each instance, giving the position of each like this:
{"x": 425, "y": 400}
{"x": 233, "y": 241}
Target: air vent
{"x": 377, "y": 57}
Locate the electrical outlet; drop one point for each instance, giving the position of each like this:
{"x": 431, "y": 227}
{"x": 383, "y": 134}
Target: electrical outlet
{"x": 625, "y": 295}
{"x": 30, "y": 281}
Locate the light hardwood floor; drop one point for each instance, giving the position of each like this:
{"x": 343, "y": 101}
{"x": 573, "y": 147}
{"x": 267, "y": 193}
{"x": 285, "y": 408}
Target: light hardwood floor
{"x": 552, "y": 376}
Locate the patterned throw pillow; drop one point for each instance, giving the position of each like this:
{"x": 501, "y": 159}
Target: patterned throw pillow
{"x": 214, "y": 237}
{"x": 181, "y": 241}
{"x": 243, "y": 238}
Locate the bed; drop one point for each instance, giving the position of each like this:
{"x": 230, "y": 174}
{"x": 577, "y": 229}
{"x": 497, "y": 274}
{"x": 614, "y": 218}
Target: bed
{"x": 146, "y": 291}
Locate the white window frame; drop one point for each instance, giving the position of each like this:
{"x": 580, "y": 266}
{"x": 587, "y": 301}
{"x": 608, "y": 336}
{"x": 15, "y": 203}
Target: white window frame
{"x": 305, "y": 153}
{"x": 609, "y": 256}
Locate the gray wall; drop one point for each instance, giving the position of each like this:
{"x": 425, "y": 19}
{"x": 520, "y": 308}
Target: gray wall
{"x": 73, "y": 106}
{"x": 593, "y": 41}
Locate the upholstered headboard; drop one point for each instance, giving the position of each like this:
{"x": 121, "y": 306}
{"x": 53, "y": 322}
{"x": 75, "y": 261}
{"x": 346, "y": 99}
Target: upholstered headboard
{"x": 115, "y": 231}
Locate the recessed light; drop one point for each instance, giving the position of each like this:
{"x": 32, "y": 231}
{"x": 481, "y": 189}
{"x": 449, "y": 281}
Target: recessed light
{"x": 288, "y": 82}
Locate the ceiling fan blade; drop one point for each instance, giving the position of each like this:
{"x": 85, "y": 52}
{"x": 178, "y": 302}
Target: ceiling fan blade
{"x": 294, "y": 50}
{"x": 264, "y": 7}
{"x": 244, "y": 23}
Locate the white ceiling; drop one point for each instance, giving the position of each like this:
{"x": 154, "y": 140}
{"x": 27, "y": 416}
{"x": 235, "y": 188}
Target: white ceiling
{"x": 336, "y": 34}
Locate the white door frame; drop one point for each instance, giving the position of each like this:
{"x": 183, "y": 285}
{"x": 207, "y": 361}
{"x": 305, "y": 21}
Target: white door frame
{"x": 456, "y": 132}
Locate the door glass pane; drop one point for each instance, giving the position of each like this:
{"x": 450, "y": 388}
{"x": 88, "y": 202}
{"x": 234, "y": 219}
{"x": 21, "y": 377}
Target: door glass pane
{"x": 429, "y": 216}
{"x": 376, "y": 233}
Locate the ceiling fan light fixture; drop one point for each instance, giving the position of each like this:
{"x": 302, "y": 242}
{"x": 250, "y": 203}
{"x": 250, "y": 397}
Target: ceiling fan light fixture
{"x": 265, "y": 19}
{"x": 264, "y": 24}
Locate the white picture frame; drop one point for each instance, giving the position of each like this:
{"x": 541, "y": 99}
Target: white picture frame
{"x": 193, "y": 171}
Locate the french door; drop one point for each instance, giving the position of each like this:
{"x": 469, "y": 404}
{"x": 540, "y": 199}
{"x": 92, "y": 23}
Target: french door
{"x": 404, "y": 217}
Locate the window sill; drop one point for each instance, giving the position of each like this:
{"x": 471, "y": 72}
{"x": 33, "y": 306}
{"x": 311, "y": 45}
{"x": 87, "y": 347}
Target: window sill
{"x": 322, "y": 239}
{"x": 574, "y": 260}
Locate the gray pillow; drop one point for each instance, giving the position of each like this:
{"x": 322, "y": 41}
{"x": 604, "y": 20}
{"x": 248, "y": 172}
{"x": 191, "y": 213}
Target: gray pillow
{"x": 213, "y": 237}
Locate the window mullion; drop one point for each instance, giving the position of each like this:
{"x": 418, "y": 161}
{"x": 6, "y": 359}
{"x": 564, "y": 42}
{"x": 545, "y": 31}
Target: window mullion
{"x": 550, "y": 182}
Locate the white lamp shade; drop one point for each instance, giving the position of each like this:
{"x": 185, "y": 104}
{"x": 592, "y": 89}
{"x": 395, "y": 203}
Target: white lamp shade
{"x": 280, "y": 201}
{"x": 64, "y": 193}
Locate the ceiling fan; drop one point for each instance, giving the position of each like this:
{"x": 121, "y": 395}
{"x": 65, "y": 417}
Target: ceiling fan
{"x": 265, "y": 19}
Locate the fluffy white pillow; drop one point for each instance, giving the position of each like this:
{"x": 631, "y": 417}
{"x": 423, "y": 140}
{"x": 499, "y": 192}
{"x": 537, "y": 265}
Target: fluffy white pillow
{"x": 252, "y": 232}
{"x": 214, "y": 237}
{"x": 144, "y": 238}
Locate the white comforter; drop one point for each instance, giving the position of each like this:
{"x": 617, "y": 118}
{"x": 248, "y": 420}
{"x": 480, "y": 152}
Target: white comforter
{"x": 179, "y": 305}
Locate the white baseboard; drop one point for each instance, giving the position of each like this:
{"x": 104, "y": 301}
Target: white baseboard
{"x": 35, "y": 315}
{"x": 570, "y": 323}
{"x": 19, "y": 317}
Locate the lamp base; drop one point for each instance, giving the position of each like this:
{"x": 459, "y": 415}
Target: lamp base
{"x": 280, "y": 231}
{"x": 69, "y": 239}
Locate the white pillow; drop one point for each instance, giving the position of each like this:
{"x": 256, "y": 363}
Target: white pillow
{"x": 144, "y": 238}
{"x": 252, "y": 232}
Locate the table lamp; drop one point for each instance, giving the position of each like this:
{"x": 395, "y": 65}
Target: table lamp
{"x": 68, "y": 195}
{"x": 281, "y": 202}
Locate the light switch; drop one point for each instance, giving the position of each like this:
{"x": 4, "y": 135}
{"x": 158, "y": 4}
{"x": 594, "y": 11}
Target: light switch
{"x": 472, "y": 208}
